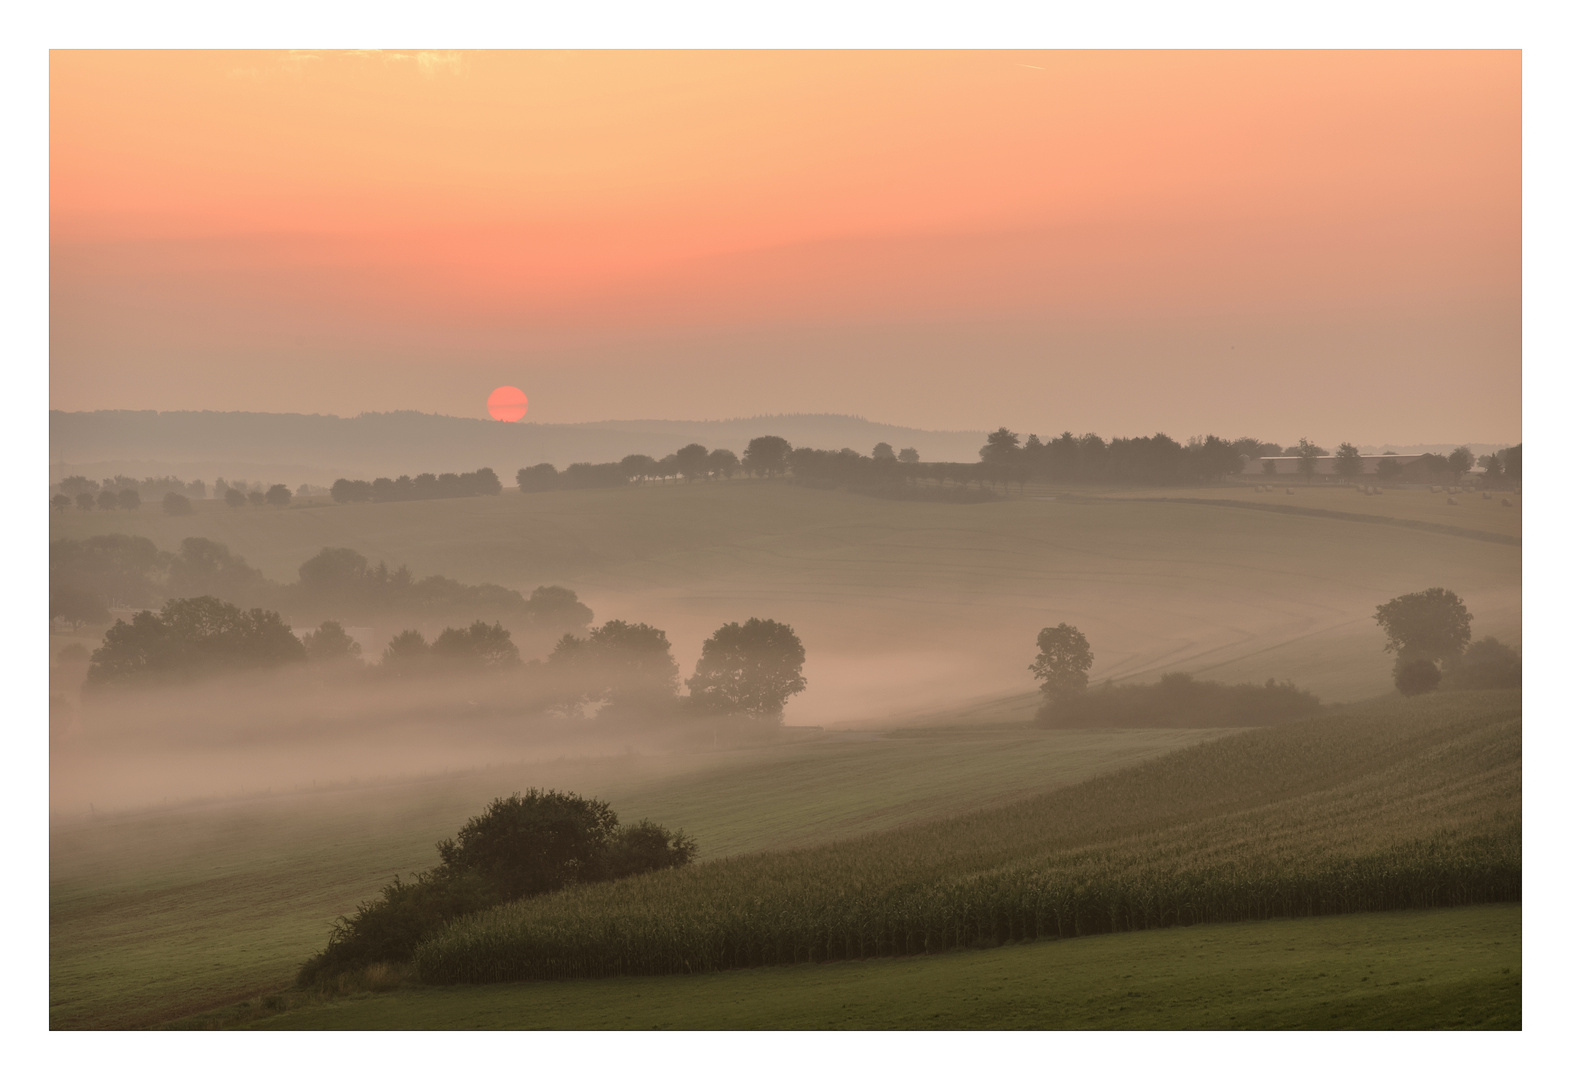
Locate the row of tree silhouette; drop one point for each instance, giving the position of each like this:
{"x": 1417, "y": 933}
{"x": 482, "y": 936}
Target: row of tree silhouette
{"x": 1004, "y": 458}
{"x": 1429, "y": 632}
{"x": 172, "y": 493}
{"x": 746, "y": 669}
{"x": 173, "y": 502}
{"x": 447, "y": 485}
{"x": 88, "y": 577}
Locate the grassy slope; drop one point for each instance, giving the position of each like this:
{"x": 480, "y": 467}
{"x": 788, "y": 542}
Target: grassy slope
{"x": 161, "y": 913}
{"x": 1401, "y": 505}
{"x": 905, "y": 605}
{"x": 1407, "y": 803}
{"x": 1448, "y": 968}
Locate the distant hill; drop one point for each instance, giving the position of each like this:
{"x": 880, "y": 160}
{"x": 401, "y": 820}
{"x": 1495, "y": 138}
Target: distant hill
{"x": 296, "y": 448}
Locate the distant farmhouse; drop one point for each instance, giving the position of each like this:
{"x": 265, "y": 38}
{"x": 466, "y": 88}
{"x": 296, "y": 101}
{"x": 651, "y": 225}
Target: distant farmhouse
{"x": 1287, "y": 465}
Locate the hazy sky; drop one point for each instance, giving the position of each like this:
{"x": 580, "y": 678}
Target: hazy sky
{"x": 1276, "y": 243}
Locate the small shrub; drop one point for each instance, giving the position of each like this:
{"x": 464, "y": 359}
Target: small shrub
{"x": 1417, "y": 676}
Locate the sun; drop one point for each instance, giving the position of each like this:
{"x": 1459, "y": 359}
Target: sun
{"x": 508, "y": 404}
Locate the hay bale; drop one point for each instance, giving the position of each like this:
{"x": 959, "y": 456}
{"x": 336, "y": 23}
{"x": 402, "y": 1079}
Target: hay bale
{"x": 1289, "y": 491}
{"x": 1379, "y": 491}
{"x": 1450, "y": 501}
{"x": 1505, "y": 502}
{"x": 1486, "y": 494}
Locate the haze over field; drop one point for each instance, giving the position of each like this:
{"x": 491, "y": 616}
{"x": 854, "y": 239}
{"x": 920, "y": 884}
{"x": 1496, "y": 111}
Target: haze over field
{"x": 747, "y": 509}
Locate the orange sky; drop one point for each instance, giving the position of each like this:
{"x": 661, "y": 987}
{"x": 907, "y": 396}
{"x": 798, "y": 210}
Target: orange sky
{"x": 1278, "y": 243}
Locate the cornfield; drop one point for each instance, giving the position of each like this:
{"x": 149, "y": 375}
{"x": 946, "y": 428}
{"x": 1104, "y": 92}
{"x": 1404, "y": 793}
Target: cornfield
{"x": 1400, "y": 805}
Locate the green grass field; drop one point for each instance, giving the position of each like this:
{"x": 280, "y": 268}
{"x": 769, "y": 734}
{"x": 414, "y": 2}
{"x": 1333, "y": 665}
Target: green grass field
{"x": 160, "y": 913}
{"x": 1453, "y": 968}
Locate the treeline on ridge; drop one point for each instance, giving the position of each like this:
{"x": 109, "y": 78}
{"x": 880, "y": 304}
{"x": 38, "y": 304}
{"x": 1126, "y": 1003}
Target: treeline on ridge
{"x": 1144, "y": 460}
{"x": 425, "y": 486}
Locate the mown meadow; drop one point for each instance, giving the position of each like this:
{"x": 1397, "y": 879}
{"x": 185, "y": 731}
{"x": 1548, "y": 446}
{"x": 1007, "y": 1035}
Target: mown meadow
{"x": 1451, "y": 968}
{"x": 1405, "y": 804}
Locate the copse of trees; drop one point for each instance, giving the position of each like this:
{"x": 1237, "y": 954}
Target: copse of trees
{"x": 524, "y": 845}
{"x": 1430, "y": 632}
{"x": 329, "y": 644}
{"x": 193, "y": 638}
{"x": 749, "y": 668}
{"x": 627, "y": 667}
{"x": 88, "y": 577}
{"x": 204, "y": 567}
{"x": 343, "y": 580}
{"x": 1431, "y": 625}
{"x": 176, "y": 504}
{"x": 425, "y": 486}
{"x": 481, "y": 645}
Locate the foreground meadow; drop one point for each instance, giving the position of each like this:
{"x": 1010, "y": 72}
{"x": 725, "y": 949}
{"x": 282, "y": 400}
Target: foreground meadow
{"x": 157, "y": 916}
{"x": 1452, "y": 968}
{"x": 159, "y": 913}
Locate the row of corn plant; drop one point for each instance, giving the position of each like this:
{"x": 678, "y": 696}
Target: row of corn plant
{"x": 1394, "y": 807}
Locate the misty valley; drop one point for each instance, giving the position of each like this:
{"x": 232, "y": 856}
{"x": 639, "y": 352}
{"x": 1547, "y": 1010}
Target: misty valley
{"x": 746, "y": 714}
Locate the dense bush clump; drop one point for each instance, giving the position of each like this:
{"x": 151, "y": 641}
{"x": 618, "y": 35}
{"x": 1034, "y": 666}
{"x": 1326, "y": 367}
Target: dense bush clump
{"x": 523, "y": 845}
{"x": 1178, "y": 700}
{"x": 1488, "y": 664}
{"x": 1416, "y": 676}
